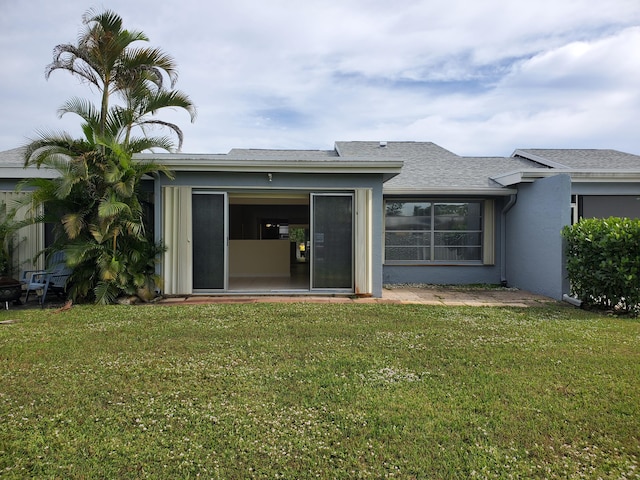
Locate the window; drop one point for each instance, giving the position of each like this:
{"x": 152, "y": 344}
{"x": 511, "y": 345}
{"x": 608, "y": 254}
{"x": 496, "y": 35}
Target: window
{"x": 433, "y": 231}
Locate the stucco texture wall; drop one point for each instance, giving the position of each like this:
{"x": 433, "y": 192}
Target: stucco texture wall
{"x": 535, "y": 259}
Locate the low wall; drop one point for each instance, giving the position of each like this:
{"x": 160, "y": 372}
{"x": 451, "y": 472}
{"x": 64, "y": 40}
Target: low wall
{"x": 259, "y": 258}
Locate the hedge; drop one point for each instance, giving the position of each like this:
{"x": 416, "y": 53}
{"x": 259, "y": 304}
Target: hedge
{"x": 603, "y": 262}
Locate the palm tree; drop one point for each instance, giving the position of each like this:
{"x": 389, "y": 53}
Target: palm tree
{"x": 105, "y": 58}
{"x": 94, "y": 199}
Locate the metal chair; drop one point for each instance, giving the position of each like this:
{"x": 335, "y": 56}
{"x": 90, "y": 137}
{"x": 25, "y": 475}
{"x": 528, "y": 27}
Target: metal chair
{"x": 53, "y": 278}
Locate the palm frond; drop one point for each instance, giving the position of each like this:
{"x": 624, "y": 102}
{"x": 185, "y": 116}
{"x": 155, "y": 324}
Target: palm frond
{"x": 169, "y": 125}
{"x": 109, "y": 268}
{"x": 84, "y": 108}
{"x": 143, "y": 168}
{"x": 73, "y": 224}
{"x": 80, "y": 251}
{"x": 98, "y": 234}
{"x": 73, "y": 59}
{"x": 112, "y": 173}
{"x": 135, "y": 228}
{"x": 126, "y": 188}
{"x": 170, "y": 99}
{"x": 105, "y": 293}
{"x": 151, "y": 58}
{"x": 147, "y": 143}
{"x": 112, "y": 207}
{"x": 50, "y": 144}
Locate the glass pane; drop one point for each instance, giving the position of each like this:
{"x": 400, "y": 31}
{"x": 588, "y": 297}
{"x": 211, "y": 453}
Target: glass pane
{"x": 408, "y": 216}
{"x": 407, "y": 238}
{"x": 208, "y": 241}
{"x": 407, "y": 253}
{"x": 458, "y": 238}
{"x": 458, "y": 253}
{"x": 332, "y": 252}
{"x": 457, "y": 216}
{"x": 407, "y": 246}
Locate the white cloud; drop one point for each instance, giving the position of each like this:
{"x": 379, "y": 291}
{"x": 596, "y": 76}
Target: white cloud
{"x": 477, "y": 77}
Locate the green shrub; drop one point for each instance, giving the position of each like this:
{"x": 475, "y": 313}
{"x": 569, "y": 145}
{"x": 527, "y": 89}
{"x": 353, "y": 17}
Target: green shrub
{"x": 603, "y": 262}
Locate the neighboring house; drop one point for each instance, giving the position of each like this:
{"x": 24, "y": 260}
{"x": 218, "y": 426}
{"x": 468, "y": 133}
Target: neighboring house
{"x": 572, "y": 184}
{"x": 30, "y": 240}
{"x": 365, "y": 214}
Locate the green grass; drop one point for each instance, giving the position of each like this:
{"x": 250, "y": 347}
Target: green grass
{"x": 319, "y": 391}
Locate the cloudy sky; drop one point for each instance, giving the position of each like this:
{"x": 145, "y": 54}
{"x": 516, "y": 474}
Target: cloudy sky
{"x": 476, "y": 77}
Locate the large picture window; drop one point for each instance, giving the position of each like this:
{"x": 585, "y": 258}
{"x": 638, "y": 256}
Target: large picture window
{"x": 433, "y": 231}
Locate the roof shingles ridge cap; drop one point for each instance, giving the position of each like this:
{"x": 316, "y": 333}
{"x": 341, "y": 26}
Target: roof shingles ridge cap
{"x": 276, "y": 150}
{"x": 538, "y": 159}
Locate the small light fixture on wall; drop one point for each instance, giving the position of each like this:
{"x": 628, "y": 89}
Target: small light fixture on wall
{"x": 270, "y": 175}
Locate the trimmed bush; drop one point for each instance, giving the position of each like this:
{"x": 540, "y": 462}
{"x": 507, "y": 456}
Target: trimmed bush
{"x": 603, "y": 262}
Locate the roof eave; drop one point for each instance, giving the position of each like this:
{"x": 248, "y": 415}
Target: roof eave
{"x": 581, "y": 176}
{"x": 211, "y": 163}
{"x": 458, "y": 191}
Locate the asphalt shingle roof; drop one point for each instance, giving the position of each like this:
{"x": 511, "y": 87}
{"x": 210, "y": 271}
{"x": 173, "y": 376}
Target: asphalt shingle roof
{"x": 426, "y": 166}
{"x": 429, "y": 166}
{"x": 258, "y": 154}
{"x": 12, "y": 158}
{"x": 585, "y": 159}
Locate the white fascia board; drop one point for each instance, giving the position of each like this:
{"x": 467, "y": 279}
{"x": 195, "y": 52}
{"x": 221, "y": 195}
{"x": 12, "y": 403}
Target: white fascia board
{"x": 283, "y": 166}
{"x": 589, "y": 176}
{"x": 457, "y": 191}
{"x": 213, "y": 163}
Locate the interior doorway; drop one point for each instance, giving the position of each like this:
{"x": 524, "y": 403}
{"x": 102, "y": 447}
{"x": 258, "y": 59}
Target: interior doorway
{"x": 268, "y": 242}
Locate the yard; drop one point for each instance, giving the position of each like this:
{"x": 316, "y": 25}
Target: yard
{"x": 319, "y": 391}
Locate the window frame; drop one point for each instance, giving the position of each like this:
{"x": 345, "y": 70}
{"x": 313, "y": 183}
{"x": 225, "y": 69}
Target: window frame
{"x": 486, "y": 224}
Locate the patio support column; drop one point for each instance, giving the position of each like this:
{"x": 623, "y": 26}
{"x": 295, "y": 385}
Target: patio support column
{"x": 363, "y": 239}
{"x": 177, "y": 271}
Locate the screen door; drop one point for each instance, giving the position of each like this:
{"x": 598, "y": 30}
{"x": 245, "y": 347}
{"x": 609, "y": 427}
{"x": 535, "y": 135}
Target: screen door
{"x": 332, "y": 241}
{"x": 209, "y": 241}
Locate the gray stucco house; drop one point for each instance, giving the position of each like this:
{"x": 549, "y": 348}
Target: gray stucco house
{"x": 365, "y": 214}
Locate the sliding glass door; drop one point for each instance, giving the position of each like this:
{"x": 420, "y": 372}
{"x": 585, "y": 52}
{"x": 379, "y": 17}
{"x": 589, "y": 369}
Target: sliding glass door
{"x": 332, "y": 241}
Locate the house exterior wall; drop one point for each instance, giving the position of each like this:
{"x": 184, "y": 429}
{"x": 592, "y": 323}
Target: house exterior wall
{"x": 535, "y": 258}
{"x": 455, "y": 274}
{"x": 7, "y": 185}
{"x": 279, "y": 182}
{"x": 441, "y": 274}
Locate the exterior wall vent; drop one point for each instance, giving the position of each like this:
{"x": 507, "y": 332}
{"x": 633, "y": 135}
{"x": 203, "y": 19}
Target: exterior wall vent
{"x": 383, "y": 144}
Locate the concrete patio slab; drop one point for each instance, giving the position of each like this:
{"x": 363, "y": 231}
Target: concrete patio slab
{"x": 422, "y": 295}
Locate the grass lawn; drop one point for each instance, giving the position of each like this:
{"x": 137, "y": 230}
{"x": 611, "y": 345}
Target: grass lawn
{"x": 319, "y": 391}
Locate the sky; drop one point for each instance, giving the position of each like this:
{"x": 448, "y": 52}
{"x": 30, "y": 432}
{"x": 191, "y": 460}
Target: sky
{"x": 479, "y": 78}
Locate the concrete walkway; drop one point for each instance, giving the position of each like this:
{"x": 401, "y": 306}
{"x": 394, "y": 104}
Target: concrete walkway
{"x": 423, "y": 295}
{"x": 485, "y": 297}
